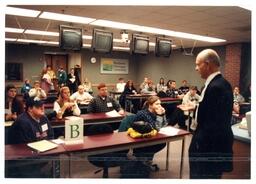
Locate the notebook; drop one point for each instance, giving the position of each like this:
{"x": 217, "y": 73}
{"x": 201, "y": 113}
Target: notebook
{"x": 42, "y": 146}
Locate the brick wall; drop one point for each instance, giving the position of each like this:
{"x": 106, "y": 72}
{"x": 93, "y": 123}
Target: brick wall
{"x": 232, "y": 64}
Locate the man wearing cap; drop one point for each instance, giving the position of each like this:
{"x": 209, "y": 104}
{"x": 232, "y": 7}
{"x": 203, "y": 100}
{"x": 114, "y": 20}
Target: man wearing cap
{"x": 32, "y": 125}
{"x": 104, "y": 103}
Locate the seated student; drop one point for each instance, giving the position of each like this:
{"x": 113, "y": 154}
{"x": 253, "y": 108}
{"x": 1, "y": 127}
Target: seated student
{"x": 129, "y": 89}
{"x": 13, "y": 106}
{"x": 81, "y": 97}
{"x": 154, "y": 114}
{"x": 25, "y": 88}
{"x": 144, "y": 83}
{"x": 64, "y": 106}
{"x": 178, "y": 116}
{"x": 149, "y": 89}
{"x": 120, "y": 85}
{"x": 32, "y": 125}
{"x": 161, "y": 86}
{"x": 104, "y": 103}
{"x": 37, "y": 92}
{"x": 238, "y": 99}
{"x": 87, "y": 86}
{"x": 172, "y": 91}
{"x": 237, "y": 96}
{"x": 184, "y": 88}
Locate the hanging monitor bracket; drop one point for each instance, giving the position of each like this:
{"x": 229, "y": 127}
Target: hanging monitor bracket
{"x": 184, "y": 50}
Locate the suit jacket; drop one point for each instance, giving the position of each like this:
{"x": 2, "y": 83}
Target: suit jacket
{"x": 213, "y": 138}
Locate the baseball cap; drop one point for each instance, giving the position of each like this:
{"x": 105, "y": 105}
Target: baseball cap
{"x": 32, "y": 102}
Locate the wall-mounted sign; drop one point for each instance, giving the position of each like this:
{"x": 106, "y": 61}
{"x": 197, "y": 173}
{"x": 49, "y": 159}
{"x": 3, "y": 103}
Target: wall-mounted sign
{"x": 114, "y": 66}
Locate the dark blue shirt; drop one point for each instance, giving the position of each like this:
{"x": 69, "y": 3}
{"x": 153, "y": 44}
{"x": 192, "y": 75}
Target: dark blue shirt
{"x": 26, "y": 129}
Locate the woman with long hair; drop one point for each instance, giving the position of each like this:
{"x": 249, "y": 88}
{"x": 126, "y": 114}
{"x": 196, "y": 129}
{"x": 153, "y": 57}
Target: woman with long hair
{"x": 154, "y": 114}
{"x": 64, "y": 106}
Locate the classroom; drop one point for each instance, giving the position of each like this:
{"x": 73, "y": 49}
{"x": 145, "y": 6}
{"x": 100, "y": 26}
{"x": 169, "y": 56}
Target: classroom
{"x": 157, "y": 92}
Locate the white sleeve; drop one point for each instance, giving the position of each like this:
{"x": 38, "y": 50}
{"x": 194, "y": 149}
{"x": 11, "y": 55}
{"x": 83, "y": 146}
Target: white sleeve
{"x": 73, "y": 96}
{"x": 76, "y": 110}
{"x": 185, "y": 100}
{"x": 32, "y": 92}
{"x": 88, "y": 96}
{"x": 56, "y": 107}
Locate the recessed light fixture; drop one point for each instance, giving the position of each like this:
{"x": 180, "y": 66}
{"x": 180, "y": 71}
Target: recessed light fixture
{"x": 21, "y": 12}
{"x": 67, "y": 18}
{"x": 152, "y": 30}
{"x": 37, "y": 32}
{"x": 121, "y": 48}
{"x": 11, "y": 39}
{"x": 13, "y": 30}
{"x": 31, "y": 41}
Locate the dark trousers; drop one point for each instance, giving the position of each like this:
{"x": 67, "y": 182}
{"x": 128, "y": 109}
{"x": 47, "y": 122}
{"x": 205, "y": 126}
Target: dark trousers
{"x": 203, "y": 167}
{"x": 147, "y": 153}
{"x": 177, "y": 117}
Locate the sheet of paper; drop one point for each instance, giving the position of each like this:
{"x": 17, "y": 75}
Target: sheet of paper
{"x": 113, "y": 113}
{"x": 42, "y": 146}
{"x": 58, "y": 141}
{"x": 169, "y": 130}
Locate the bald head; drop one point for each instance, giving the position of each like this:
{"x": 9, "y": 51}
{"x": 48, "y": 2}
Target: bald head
{"x": 209, "y": 56}
{"x": 207, "y": 62}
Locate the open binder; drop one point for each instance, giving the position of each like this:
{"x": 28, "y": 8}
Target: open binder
{"x": 42, "y": 146}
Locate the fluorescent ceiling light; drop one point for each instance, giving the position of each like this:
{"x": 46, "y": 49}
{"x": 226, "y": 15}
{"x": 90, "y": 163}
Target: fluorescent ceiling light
{"x": 37, "y": 32}
{"x": 53, "y": 43}
{"x": 21, "y": 12}
{"x": 151, "y": 44}
{"x": 31, "y": 41}
{"x": 67, "y": 18}
{"x": 121, "y": 48}
{"x": 152, "y": 30}
{"x": 10, "y": 39}
{"x": 120, "y": 41}
{"x": 13, "y": 30}
{"x": 87, "y": 37}
{"x": 86, "y": 45}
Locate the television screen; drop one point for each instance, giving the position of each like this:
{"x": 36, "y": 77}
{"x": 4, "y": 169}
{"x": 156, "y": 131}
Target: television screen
{"x": 70, "y": 38}
{"x": 140, "y": 44}
{"x": 163, "y": 47}
{"x": 102, "y": 41}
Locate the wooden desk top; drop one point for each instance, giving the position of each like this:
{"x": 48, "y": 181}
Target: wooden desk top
{"x": 95, "y": 143}
{"x": 91, "y": 117}
{"x": 166, "y": 99}
{"x": 18, "y": 151}
{"x": 117, "y": 140}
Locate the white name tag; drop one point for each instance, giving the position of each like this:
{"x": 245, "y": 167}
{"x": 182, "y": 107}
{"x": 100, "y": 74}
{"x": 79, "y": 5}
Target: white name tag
{"x": 109, "y": 104}
{"x": 44, "y": 127}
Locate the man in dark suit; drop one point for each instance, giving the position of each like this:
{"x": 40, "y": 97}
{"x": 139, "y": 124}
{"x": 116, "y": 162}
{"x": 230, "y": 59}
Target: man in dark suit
{"x": 210, "y": 151}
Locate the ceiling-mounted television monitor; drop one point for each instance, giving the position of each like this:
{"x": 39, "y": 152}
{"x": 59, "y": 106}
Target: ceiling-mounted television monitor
{"x": 70, "y": 38}
{"x": 139, "y": 44}
{"x": 163, "y": 47}
{"x": 102, "y": 41}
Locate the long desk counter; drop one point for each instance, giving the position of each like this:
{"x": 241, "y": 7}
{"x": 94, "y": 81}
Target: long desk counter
{"x": 103, "y": 143}
{"x": 22, "y": 151}
{"x": 92, "y": 118}
{"x": 241, "y": 134}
